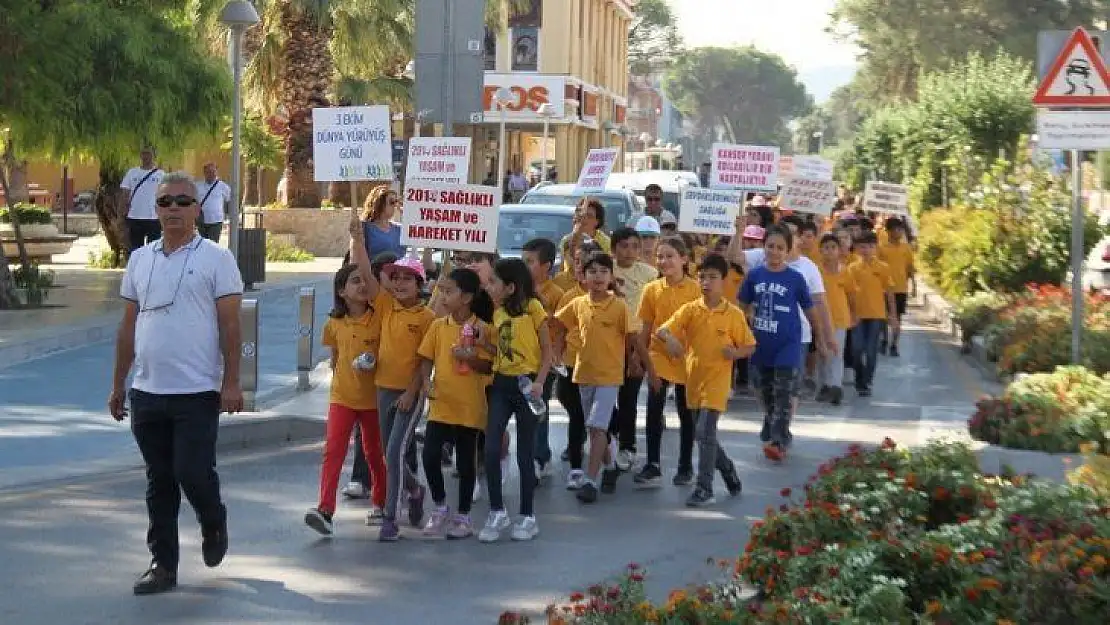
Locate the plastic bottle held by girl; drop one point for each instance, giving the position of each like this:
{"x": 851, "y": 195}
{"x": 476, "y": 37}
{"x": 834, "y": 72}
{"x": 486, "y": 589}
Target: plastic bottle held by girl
{"x": 466, "y": 341}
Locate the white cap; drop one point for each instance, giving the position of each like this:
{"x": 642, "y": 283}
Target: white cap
{"x": 648, "y": 225}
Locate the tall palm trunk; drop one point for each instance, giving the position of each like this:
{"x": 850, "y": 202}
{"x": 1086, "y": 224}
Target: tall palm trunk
{"x": 307, "y": 71}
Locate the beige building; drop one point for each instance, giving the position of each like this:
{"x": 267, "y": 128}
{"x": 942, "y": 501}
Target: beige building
{"x": 572, "y": 54}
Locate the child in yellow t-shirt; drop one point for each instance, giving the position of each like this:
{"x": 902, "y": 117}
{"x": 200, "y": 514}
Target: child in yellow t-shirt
{"x": 605, "y": 329}
{"x": 566, "y": 391}
{"x": 898, "y": 255}
{"x": 353, "y": 328}
{"x": 457, "y": 396}
{"x": 873, "y": 305}
{"x": 838, "y": 288}
{"x": 713, "y": 333}
{"x": 807, "y": 241}
{"x": 660, "y": 300}
{"x": 521, "y": 346}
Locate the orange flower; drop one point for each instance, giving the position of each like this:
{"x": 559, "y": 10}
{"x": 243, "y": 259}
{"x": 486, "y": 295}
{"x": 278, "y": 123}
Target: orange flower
{"x": 933, "y": 608}
{"x": 989, "y": 583}
{"x": 972, "y": 594}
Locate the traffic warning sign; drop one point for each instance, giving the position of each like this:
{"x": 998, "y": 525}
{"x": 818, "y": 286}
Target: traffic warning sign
{"x": 1078, "y": 77}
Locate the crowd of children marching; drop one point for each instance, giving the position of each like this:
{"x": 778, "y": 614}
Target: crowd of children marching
{"x": 782, "y": 307}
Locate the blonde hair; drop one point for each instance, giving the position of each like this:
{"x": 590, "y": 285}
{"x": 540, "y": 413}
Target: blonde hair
{"x": 376, "y": 202}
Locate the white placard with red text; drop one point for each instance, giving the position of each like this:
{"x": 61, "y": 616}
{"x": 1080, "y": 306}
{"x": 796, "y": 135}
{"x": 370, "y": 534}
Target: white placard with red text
{"x": 596, "y": 169}
{"x": 744, "y": 167}
{"x": 451, "y": 217}
{"x": 444, "y": 160}
{"x": 808, "y": 195}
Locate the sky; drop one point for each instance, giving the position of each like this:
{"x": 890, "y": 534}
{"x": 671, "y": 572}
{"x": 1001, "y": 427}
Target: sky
{"x": 794, "y": 29}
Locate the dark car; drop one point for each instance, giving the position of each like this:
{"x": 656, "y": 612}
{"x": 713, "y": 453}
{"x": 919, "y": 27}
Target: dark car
{"x": 619, "y": 204}
{"x": 520, "y": 223}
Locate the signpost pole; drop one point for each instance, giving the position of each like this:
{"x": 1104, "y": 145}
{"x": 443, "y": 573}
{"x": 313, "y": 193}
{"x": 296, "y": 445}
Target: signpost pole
{"x": 1078, "y": 221}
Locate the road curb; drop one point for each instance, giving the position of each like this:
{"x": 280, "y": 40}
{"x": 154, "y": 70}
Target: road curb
{"x": 103, "y": 328}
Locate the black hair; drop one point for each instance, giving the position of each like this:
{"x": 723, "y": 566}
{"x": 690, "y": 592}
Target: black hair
{"x": 867, "y": 225}
{"x": 587, "y": 203}
{"x": 653, "y": 187}
{"x": 894, "y": 223}
{"x": 724, "y": 240}
{"x": 339, "y": 305}
{"x": 543, "y": 248}
{"x": 598, "y": 258}
{"x": 380, "y": 260}
{"x": 808, "y": 226}
{"x": 714, "y": 261}
{"x": 783, "y": 232}
{"x": 588, "y": 247}
{"x": 513, "y": 271}
{"x": 468, "y": 282}
{"x": 868, "y": 237}
{"x": 793, "y": 220}
{"x": 829, "y": 236}
{"x": 623, "y": 234}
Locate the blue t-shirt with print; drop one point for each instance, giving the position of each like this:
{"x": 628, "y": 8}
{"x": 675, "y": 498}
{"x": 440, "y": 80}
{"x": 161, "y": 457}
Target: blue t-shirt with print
{"x": 777, "y": 318}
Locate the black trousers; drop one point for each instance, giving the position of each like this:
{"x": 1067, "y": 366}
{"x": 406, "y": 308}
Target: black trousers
{"x": 142, "y": 231}
{"x": 655, "y": 404}
{"x": 566, "y": 391}
{"x": 623, "y": 424}
{"x": 465, "y": 441}
{"x": 177, "y": 436}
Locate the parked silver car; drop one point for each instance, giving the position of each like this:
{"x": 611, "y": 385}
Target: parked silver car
{"x": 619, "y": 204}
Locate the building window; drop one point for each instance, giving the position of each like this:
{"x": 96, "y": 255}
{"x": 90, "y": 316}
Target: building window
{"x": 489, "y": 50}
{"x": 526, "y": 49}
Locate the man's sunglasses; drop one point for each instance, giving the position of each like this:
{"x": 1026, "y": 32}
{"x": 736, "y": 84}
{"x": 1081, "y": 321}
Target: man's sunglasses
{"x": 181, "y": 200}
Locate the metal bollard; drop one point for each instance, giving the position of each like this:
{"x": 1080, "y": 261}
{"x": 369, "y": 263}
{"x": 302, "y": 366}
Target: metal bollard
{"x": 306, "y": 325}
{"x": 248, "y": 363}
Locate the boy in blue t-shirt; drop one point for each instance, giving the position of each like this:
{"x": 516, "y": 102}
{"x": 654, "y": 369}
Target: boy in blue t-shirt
{"x": 775, "y": 297}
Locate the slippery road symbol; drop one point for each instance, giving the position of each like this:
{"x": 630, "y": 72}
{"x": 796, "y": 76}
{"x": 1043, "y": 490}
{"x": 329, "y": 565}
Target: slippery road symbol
{"x": 1078, "y": 75}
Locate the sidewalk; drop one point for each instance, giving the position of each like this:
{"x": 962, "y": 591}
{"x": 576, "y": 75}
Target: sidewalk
{"x": 86, "y": 308}
{"x": 279, "y": 572}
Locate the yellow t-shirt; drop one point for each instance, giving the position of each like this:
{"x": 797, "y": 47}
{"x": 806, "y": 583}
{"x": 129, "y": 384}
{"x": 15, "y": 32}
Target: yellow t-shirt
{"x": 349, "y": 337}
{"x": 631, "y": 281}
{"x": 549, "y": 294}
{"x": 458, "y": 398}
{"x": 732, "y": 284}
{"x": 658, "y": 302}
{"x": 402, "y": 330}
{"x": 705, "y": 333}
{"x": 518, "y": 340}
{"x": 872, "y": 280}
{"x": 603, "y": 328}
{"x": 899, "y": 258}
{"x": 573, "y": 339}
{"x": 838, "y": 287}
{"x": 814, "y": 255}
{"x": 565, "y": 280}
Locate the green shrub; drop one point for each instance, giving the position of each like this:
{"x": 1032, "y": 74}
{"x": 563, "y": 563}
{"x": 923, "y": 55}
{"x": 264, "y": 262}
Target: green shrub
{"x": 975, "y": 312}
{"x": 279, "y": 251}
{"x": 952, "y": 244}
{"x": 29, "y": 214}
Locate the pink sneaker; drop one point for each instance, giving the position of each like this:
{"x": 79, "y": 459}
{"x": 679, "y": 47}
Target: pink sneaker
{"x": 460, "y": 527}
{"x": 437, "y": 523}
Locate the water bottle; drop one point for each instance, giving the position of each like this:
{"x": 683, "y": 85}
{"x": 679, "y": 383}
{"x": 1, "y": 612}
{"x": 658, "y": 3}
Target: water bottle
{"x": 560, "y": 370}
{"x": 466, "y": 341}
{"x": 364, "y": 362}
{"x": 536, "y": 404}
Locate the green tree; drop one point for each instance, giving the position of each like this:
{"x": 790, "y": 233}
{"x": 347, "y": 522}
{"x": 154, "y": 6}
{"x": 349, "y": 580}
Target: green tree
{"x": 746, "y": 93}
{"x": 653, "y": 39}
{"x": 127, "y": 74}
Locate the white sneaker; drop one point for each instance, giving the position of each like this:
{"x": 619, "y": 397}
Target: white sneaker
{"x": 356, "y": 490}
{"x": 625, "y": 460}
{"x": 576, "y": 479}
{"x": 526, "y": 529}
{"x": 497, "y": 522}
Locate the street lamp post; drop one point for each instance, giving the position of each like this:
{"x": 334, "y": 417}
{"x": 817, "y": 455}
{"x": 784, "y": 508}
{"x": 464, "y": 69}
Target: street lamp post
{"x": 820, "y": 136}
{"x": 546, "y": 111}
{"x": 502, "y": 98}
{"x": 238, "y": 16}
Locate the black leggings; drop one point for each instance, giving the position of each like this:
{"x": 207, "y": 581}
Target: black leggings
{"x": 466, "y": 454}
{"x": 566, "y": 392}
{"x": 656, "y": 402}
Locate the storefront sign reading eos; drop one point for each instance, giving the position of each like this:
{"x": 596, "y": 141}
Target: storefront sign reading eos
{"x": 529, "y": 93}
{"x": 451, "y": 217}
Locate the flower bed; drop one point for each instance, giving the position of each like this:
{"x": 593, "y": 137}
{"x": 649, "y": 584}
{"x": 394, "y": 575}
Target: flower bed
{"x": 896, "y": 536}
{"x": 1056, "y": 412}
{"x": 1030, "y": 332}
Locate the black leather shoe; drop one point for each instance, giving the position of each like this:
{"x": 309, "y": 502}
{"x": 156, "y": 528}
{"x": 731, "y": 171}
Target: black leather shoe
{"x": 214, "y": 546}
{"x": 156, "y": 580}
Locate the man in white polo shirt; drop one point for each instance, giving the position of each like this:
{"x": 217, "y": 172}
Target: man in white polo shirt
{"x": 180, "y": 330}
{"x": 139, "y": 188}
{"x": 214, "y": 196}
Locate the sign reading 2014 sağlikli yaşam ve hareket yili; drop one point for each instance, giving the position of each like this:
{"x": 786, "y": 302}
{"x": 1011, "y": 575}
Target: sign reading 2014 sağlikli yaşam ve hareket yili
{"x": 709, "y": 211}
{"x": 886, "y": 197}
{"x": 451, "y": 217}
{"x": 748, "y": 167}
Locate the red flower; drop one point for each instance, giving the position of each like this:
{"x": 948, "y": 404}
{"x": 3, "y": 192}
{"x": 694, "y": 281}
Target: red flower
{"x": 636, "y": 577}
{"x": 634, "y": 566}
{"x": 785, "y": 492}
{"x": 888, "y": 443}
{"x": 575, "y": 597}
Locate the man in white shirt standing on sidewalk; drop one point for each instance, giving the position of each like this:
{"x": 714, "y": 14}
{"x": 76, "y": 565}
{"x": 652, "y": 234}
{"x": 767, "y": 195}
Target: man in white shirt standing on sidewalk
{"x": 215, "y": 197}
{"x": 180, "y": 330}
{"x": 139, "y": 187}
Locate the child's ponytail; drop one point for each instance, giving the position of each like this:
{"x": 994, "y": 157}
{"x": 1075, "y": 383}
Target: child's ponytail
{"x": 470, "y": 283}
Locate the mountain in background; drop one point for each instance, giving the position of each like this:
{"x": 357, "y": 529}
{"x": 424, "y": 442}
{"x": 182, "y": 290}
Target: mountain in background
{"x": 821, "y": 81}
